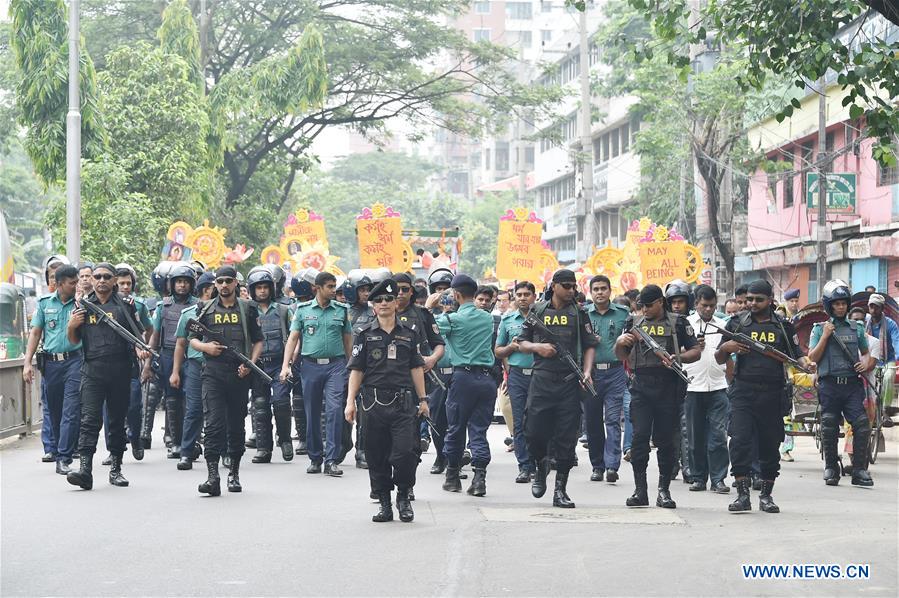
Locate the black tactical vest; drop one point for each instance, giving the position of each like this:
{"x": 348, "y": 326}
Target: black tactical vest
{"x": 98, "y": 339}
{"x": 273, "y": 331}
{"x": 564, "y": 324}
{"x": 755, "y": 367}
{"x": 415, "y": 320}
{"x": 227, "y": 322}
{"x": 663, "y": 331}
{"x": 171, "y": 314}
{"x": 834, "y": 362}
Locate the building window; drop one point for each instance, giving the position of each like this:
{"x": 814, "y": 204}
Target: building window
{"x": 887, "y": 176}
{"x": 518, "y": 10}
{"x": 487, "y": 159}
{"x": 772, "y": 189}
{"x": 529, "y": 158}
{"x": 481, "y": 35}
{"x": 546, "y": 36}
{"x": 523, "y": 38}
{"x": 625, "y": 138}
{"x": 788, "y": 191}
{"x": 614, "y": 139}
{"x": 546, "y": 6}
{"x": 482, "y": 8}
{"x": 502, "y": 158}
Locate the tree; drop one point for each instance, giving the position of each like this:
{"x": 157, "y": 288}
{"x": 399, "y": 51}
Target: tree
{"x": 40, "y": 43}
{"x": 797, "y": 41}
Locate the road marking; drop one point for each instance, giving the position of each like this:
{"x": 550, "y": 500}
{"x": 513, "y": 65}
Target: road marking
{"x": 613, "y": 515}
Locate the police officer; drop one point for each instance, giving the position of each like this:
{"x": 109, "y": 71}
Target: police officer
{"x": 106, "y": 373}
{"x": 356, "y": 290}
{"x": 274, "y": 321}
{"x": 152, "y": 386}
{"x": 387, "y": 366}
{"x": 603, "y": 414}
{"x": 421, "y": 321}
{"x": 756, "y": 394}
{"x": 60, "y": 364}
{"x": 226, "y": 381}
{"x": 51, "y": 263}
{"x": 841, "y": 392}
{"x": 322, "y": 329}
{"x": 520, "y": 367}
{"x": 655, "y": 389}
{"x": 553, "y": 415}
{"x": 472, "y": 392}
{"x": 438, "y": 282}
{"x": 193, "y": 375}
{"x": 680, "y": 301}
{"x": 301, "y": 285}
{"x": 181, "y": 283}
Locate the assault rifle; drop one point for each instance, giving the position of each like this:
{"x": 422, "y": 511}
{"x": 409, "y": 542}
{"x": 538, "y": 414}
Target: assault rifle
{"x": 433, "y": 377}
{"x": 116, "y": 327}
{"x": 666, "y": 357}
{"x": 195, "y": 327}
{"x": 759, "y": 347}
{"x": 561, "y": 352}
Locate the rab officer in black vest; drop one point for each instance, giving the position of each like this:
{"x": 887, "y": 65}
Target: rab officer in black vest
{"x": 656, "y": 391}
{"x": 756, "y": 412}
{"x": 226, "y": 381}
{"x": 109, "y": 362}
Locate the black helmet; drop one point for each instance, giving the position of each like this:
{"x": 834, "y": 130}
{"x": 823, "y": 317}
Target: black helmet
{"x": 355, "y": 280}
{"x": 182, "y": 270}
{"x": 835, "y": 290}
{"x": 278, "y": 277}
{"x": 260, "y": 275}
{"x": 439, "y": 276}
{"x": 49, "y": 261}
{"x": 205, "y": 279}
{"x": 379, "y": 275}
{"x": 678, "y": 288}
{"x": 301, "y": 285}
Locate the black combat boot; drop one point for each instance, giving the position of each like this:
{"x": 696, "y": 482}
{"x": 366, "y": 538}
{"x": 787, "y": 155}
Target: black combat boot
{"x": 185, "y": 463}
{"x": 404, "y": 505}
{"x": 664, "y": 499}
{"x": 137, "y": 449}
{"x": 115, "y": 472}
{"x": 361, "y": 463}
{"x": 640, "y": 497}
{"x": 829, "y": 439}
{"x": 84, "y": 476}
{"x": 538, "y": 486}
{"x": 861, "y": 433}
{"x": 478, "y": 482}
{"x": 282, "y": 427}
{"x": 107, "y": 461}
{"x": 742, "y": 502}
{"x": 234, "y": 475}
{"x": 174, "y": 409}
{"x": 385, "y": 512}
{"x": 766, "y": 503}
{"x": 212, "y": 486}
{"x": 756, "y": 481}
{"x": 439, "y": 465}
{"x": 452, "y": 482}
{"x": 262, "y": 456}
{"x": 560, "y": 495}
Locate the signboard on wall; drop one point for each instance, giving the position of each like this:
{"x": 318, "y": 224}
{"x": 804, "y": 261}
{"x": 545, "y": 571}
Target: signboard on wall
{"x": 859, "y": 249}
{"x": 841, "y": 188}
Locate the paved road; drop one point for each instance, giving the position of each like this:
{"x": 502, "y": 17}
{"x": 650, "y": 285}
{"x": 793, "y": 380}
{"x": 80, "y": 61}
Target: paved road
{"x": 290, "y": 533}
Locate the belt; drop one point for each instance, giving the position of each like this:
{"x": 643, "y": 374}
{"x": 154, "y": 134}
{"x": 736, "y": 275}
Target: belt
{"x": 770, "y": 386}
{"x": 323, "y": 360}
{"x": 62, "y": 356}
{"x": 524, "y": 371}
{"x": 842, "y": 380}
{"x": 608, "y": 366}
{"x": 385, "y": 397}
{"x": 473, "y": 368}
{"x": 271, "y": 359}
{"x": 445, "y": 371}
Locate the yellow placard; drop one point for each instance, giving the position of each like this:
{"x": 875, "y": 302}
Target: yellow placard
{"x": 519, "y": 254}
{"x": 208, "y": 244}
{"x": 660, "y": 263}
{"x": 310, "y": 232}
{"x": 381, "y": 243}
{"x": 272, "y": 254}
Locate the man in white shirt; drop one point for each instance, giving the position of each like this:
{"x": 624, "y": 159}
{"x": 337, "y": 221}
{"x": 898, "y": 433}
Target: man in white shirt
{"x": 707, "y": 403}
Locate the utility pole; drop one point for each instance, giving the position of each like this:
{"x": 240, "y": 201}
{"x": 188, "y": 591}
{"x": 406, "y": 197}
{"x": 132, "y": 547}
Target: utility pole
{"x": 73, "y": 140}
{"x": 204, "y": 39}
{"x": 822, "y": 184}
{"x": 589, "y": 228}
{"x": 519, "y": 137}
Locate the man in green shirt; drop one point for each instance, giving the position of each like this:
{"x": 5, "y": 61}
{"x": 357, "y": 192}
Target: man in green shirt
{"x": 519, "y": 367}
{"x": 322, "y": 329}
{"x": 472, "y": 395}
{"x": 603, "y": 413}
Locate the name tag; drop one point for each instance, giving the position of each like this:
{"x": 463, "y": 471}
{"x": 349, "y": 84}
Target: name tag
{"x": 391, "y": 351}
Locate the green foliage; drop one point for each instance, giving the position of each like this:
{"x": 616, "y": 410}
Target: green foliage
{"x": 157, "y": 125}
{"x": 178, "y": 35}
{"x": 39, "y": 39}
{"x": 117, "y": 224}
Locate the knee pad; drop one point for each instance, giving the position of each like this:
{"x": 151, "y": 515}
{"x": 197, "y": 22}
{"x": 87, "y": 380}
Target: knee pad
{"x": 861, "y": 427}
{"x": 260, "y": 403}
{"x": 830, "y": 424}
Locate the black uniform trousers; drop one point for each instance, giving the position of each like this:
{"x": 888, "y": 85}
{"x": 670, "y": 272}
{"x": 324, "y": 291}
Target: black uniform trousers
{"x": 552, "y": 418}
{"x": 655, "y": 411}
{"x": 106, "y": 380}
{"x": 755, "y": 413}
{"x": 224, "y": 409}
{"x": 392, "y": 445}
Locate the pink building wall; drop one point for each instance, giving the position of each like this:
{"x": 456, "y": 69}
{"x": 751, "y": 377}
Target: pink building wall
{"x": 770, "y": 222}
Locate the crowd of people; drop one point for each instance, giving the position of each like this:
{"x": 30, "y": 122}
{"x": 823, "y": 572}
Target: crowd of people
{"x": 387, "y": 363}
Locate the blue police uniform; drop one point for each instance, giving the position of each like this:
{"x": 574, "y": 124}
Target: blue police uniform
{"x": 274, "y": 321}
{"x": 603, "y": 414}
{"x": 323, "y": 370}
{"x": 165, "y": 322}
{"x": 192, "y": 385}
{"x": 521, "y": 367}
{"x": 61, "y": 378}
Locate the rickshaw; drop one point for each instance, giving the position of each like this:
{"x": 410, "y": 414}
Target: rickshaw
{"x": 12, "y": 321}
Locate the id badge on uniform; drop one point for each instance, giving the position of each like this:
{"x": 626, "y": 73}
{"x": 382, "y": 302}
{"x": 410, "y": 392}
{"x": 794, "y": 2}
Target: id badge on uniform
{"x": 391, "y": 351}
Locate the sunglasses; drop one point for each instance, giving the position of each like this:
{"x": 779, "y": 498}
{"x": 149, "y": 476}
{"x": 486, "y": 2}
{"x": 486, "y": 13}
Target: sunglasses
{"x": 567, "y": 285}
{"x": 404, "y": 289}
{"x": 756, "y": 299}
{"x": 383, "y": 299}
{"x": 225, "y": 280}
{"x": 102, "y": 276}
